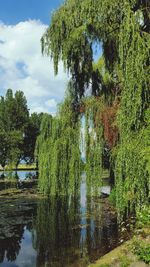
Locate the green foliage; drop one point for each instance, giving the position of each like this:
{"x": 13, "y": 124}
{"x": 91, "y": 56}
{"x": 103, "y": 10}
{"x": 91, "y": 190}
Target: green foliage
{"x": 132, "y": 178}
{"x": 58, "y": 150}
{"x": 31, "y": 132}
{"x": 142, "y": 250}
{"x": 123, "y": 28}
{"x": 132, "y": 160}
{"x": 15, "y": 152}
{"x": 103, "y": 81}
{"x": 13, "y": 118}
{"x": 18, "y": 130}
{"x": 124, "y": 261}
{"x": 143, "y": 217}
{"x": 93, "y": 142}
{"x": 10, "y": 147}
{"x": 15, "y": 112}
{"x": 112, "y": 197}
{"x": 104, "y": 265}
{"x": 59, "y": 144}
{"x": 74, "y": 28}
{"x": 4, "y": 147}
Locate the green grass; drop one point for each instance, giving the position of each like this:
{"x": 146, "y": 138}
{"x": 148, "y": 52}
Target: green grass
{"x": 142, "y": 250}
{"x": 20, "y": 167}
{"x": 124, "y": 261}
{"x": 104, "y": 265}
{"x": 143, "y": 217}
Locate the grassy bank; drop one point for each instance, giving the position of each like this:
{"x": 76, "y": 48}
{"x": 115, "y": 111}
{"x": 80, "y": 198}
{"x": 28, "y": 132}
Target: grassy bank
{"x": 20, "y": 167}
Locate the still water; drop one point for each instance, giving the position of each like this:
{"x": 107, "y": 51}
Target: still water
{"x": 59, "y": 232}
{"x": 20, "y": 175}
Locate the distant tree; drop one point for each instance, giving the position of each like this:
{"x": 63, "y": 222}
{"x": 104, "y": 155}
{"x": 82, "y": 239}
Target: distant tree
{"x": 16, "y": 110}
{"x": 22, "y": 112}
{"x": 16, "y": 147}
{"x": 18, "y": 129}
{"x": 2, "y": 113}
{"x": 10, "y": 147}
{"x": 4, "y": 147}
{"x": 10, "y": 111}
{"x": 32, "y": 130}
{"x": 14, "y": 116}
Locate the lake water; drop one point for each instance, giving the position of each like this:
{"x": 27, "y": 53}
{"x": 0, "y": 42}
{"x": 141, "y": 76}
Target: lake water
{"x": 59, "y": 232}
{"x": 21, "y": 175}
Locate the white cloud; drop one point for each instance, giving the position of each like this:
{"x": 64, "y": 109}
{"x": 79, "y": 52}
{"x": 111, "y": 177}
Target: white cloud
{"x": 22, "y": 67}
{"x": 51, "y": 103}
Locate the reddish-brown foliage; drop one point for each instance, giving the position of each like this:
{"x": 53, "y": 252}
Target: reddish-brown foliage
{"x": 81, "y": 108}
{"x": 107, "y": 115}
{"x": 111, "y": 131}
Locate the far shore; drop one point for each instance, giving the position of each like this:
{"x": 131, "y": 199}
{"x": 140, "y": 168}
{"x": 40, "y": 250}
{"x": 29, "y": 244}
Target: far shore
{"x": 20, "y": 167}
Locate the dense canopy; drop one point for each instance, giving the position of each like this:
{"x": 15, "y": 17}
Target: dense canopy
{"x": 120, "y": 80}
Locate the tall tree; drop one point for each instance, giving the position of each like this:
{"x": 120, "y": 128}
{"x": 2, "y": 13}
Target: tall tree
{"x": 32, "y": 130}
{"x": 15, "y": 147}
{"x": 123, "y": 28}
{"x": 4, "y": 147}
{"x": 22, "y": 113}
{"x": 19, "y": 130}
{"x": 14, "y": 111}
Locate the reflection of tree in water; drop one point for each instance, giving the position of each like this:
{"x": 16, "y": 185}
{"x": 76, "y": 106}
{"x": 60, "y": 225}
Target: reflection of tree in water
{"x": 67, "y": 233}
{"x": 10, "y": 247}
{"x": 99, "y": 231}
{"x": 14, "y": 219}
{"x": 57, "y": 237}
{"x": 102, "y": 230}
{"x": 67, "y": 230}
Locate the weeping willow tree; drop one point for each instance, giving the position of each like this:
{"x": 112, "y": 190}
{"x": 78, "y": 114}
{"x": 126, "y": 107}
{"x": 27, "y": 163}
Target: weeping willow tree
{"x": 74, "y": 28}
{"x": 55, "y": 226}
{"x": 132, "y": 169}
{"x": 58, "y": 147}
{"x": 93, "y": 143}
{"x": 123, "y": 28}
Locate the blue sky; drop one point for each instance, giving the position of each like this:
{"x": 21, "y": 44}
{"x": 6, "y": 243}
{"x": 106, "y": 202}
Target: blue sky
{"x": 14, "y": 11}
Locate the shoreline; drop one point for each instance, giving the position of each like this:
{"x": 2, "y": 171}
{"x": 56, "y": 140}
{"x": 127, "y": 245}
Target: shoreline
{"x": 18, "y": 169}
{"x": 21, "y": 167}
